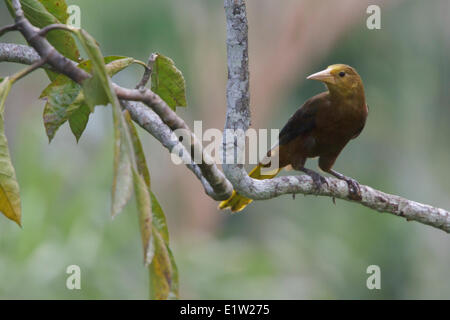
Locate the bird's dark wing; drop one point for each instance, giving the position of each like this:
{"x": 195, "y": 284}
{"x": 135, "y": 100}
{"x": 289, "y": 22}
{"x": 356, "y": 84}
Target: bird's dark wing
{"x": 359, "y": 131}
{"x": 303, "y": 120}
{"x": 362, "y": 126}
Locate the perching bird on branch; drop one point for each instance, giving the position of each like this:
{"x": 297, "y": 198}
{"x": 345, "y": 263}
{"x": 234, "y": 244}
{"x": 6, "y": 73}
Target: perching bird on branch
{"x": 321, "y": 127}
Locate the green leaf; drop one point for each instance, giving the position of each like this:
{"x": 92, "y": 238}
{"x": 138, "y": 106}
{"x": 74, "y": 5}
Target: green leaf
{"x": 36, "y": 12}
{"x": 115, "y": 64}
{"x": 159, "y": 219}
{"x": 57, "y": 109}
{"x": 141, "y": 180}
{"x": 145, "y": 216}
{"x": 97, "y": 89}
{"x": 155, "y": 240}
{"x": 80, "y": 117}
{"x": 78, "y": 120}
{"x": 9, "y": 188}
{"x": 58, "y": 8}
{"x": 162, "y": 270}
{"x": 77, "y": 112}
{"x": 5, "y": 87}
{"x": 165, "y": 287}
{"x": 163, "y": 274}
{"x": 168, "y": 82}
{"x": 123, "y": 177}
{"x": 141, "y": 163}
{"x": 174, "y": 283}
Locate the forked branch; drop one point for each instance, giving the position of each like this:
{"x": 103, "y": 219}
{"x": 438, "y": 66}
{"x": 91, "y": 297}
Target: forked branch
{"x": 238, "y": 117}
{"x": 154, "y": 115}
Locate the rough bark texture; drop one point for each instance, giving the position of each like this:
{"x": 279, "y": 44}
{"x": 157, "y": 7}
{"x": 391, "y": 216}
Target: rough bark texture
{"x": 12, "y": 52}
{"x": 152, "y": 123}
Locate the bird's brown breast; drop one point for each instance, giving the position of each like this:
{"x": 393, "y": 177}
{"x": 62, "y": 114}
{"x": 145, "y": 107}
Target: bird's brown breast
{"x": 336, "y": 125}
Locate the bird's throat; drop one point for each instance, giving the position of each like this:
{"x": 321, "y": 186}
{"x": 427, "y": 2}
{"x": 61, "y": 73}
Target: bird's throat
{"x": 349, "y": 98}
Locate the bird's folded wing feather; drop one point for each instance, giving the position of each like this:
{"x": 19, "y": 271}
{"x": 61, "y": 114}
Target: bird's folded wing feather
{"x": 303, "y": 120}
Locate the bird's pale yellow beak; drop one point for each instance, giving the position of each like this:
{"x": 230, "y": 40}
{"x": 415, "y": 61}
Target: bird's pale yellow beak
{"x": 324, "y": 76}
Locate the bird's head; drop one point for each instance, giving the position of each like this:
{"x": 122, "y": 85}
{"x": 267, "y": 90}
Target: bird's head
{"x": 339, "y": 78}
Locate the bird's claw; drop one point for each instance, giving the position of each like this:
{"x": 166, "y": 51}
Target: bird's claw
{"x": 354, "y": 189}
{"x": 318, "y": 181}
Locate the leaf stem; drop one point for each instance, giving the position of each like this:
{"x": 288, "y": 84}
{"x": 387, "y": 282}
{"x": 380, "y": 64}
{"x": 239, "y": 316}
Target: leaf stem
{"x": 27, "y": 70}
{"x": 8, "y": 28}
{"x": 56, "y": 26}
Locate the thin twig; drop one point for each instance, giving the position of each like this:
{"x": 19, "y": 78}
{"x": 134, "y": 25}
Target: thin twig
{"x": 28, "y": 70}
{"x": 8, "y": 28}
{"x": 147, "y": 72}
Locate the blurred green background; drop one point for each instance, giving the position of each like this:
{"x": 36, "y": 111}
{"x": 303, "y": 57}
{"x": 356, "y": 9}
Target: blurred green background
{"x": 305, "y": 248}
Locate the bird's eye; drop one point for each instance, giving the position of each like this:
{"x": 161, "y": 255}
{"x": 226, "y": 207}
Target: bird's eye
{"x": 341, "y": 74}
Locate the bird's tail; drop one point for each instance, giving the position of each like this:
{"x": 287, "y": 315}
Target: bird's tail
{"x": 237, "y": 202}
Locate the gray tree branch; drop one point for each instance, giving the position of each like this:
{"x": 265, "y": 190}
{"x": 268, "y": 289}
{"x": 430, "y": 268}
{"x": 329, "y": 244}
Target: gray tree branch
{"x": 238, "y": 117}
{"x": 11, "y": 52}
{"x": 207, "y": 165}
{"x": 218, "y": 187}
{"x": 152, "y": 123}
{"x": 212, "y": 179}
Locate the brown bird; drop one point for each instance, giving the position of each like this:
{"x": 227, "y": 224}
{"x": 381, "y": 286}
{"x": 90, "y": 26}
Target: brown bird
{"x": 321, "y": 127}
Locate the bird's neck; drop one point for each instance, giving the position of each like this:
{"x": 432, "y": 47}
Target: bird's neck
{"x": 354, "y": 97}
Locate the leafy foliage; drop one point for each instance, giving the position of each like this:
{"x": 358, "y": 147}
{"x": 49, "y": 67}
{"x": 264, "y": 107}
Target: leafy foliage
{"x": 57, "y": 8}
{"x": 145, "y": 216}
{"x": 97, "y": 89}
{"x": 9, "y": 188}
{"x": 65, "y": 100}
{"x": 78, "y": 119}
{"x": 129, "y": 156}
{"x": 122, "y": 180}
{"x": 61, "y": 96}
{"x": 168, "y": 82}
{"x": 73, "y": 102}
{"x": 163, "y": 263}
{"x": 45, "y": 12}
{"x": 155, "y": 235}
{"x": 5, "y": 87}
